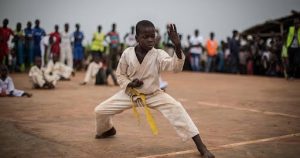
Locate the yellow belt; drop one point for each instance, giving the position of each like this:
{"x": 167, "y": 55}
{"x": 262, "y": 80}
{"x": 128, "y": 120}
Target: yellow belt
{"x": 138, "y": 98}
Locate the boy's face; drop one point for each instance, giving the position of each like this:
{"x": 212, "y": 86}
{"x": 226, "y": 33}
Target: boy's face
{"x": 146, "y": 38}
{"x": 4, "y": 73}
{"x": 38, "y": 62}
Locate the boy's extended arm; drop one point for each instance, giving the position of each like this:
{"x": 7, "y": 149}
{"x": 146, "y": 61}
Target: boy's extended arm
{"x": 176, "y": 62}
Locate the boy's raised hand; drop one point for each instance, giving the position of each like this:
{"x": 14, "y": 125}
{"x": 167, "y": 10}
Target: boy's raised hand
{"x": 172, "y": 32}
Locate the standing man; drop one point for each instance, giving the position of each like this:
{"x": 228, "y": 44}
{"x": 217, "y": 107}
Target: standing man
{"x": 38, "y": 34}
{"x": 19, "y": 46}
{"x": 77, "y": 47}
{"x": 211, "y": 47}
{"x": 66, "y": 55}
{"x": 234, "y": 47}
{"x": 97, "y": 46}
{"x": 113, "y": 47}
{"x": 55, "y": 40}
{"x": 29, "y": 43}
{"x": 293, "y": 48}
{"x": 129, "y": 38}
{"x": 5, "y": 33}
{"x": 196, "y": 49}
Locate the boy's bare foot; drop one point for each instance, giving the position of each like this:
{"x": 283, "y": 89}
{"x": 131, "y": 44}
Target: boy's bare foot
{"x": 207, "y": 154}
{"x": 107, "y": 134}
{"x": 202, "y": 148}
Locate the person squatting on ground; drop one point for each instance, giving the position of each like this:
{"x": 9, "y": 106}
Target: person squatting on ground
{"x": 7, "y": 87}
{"x": 138, "y": 71}
{"x": 38, "y": 77}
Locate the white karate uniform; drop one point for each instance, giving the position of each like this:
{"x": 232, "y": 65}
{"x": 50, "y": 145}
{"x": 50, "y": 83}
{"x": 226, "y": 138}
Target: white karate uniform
{"x": 148, "y": 71}
{"x": 57, "y": 70}
{"x": 36, "y": 75}
{"x": 66, "y": 49}
{"x": 92, "y": 71}
{"x": 8, "y": 85}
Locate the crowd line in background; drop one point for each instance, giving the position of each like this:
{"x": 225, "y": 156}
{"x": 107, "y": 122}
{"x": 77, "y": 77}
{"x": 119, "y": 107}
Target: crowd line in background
{"x": 59, "y": 54}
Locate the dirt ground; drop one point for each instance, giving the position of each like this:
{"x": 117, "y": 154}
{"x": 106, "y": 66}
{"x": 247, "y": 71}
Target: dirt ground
{"x": 238, "y": 117}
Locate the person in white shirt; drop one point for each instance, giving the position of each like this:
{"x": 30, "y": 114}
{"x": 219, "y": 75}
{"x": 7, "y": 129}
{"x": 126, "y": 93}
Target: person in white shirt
{"x": 92, "y": 70}
{"x": 66, "y": 55}
{"x": 58, "y": 70}
{"x": 37, "y": 76}
{"x": 44, "y": 44}
{"x": 196, "y": 50}
{"x": 129, "y": 38}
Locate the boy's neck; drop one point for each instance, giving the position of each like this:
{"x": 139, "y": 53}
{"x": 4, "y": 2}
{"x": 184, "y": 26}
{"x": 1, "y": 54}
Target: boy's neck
{"x": 3, "y": 78}
{"x": 139, "y": 49}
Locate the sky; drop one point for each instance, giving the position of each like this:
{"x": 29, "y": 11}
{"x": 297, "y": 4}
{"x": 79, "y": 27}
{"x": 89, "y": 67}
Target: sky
{"x": 220, "y": 16}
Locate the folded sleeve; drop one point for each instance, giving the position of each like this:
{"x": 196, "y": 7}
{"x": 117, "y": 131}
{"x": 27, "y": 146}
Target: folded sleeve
{"x": 121, "y": 72}
{"x": 168, "y": 63}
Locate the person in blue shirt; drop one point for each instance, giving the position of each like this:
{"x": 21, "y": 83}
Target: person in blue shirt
{"x": 78, "y": 48}
{"x": 29, "y": 43}
{"x": 38, "y": 34}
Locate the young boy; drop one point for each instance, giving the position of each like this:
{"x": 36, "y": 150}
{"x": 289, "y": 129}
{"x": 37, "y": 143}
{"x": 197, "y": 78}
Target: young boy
{"x": 138, "y": 70}
{"x": 58, "y": 69}
{"x": 7, "y": 87}
{"x": 38, "y": 78}
{"x": 92, "y": 70}
{"x": 98, "y": 69}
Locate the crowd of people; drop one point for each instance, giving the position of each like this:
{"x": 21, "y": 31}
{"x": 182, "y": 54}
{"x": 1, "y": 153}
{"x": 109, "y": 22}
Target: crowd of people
{"x": 49, "y": 57}
{"x": 246, "y": 54}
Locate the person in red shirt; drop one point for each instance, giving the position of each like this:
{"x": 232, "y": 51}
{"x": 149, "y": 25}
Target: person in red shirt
{"x": 55, "y": 40}
{"x": 5, "y": 33}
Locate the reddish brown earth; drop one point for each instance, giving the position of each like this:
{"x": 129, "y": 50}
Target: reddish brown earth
{"x": 226, "y": 108}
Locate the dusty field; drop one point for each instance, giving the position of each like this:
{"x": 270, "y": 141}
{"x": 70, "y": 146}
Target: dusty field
{"x": 235, "y": 114}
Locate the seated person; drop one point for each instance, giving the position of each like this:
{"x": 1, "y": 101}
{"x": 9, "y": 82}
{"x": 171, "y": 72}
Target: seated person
{"x": 7, "y": 87}
{"x": 37, "y": 76}
{"x": 58, "y": 69}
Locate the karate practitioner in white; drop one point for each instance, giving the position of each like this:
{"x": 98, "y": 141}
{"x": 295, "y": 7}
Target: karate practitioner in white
{"x": 38, "y": 78}
{"x": 139, "y": 68}
{"x": 92, "y": 70}
{"x": 58, "y": 70}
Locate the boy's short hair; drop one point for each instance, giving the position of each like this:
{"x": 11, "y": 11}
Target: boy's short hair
{"x": 142, "y": 24}
{"x": 3, "y": 68}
